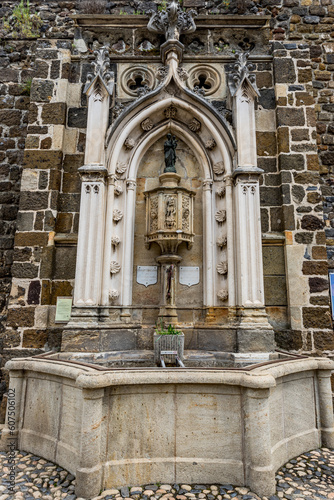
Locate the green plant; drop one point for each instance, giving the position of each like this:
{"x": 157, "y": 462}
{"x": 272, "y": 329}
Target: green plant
{"x": 161, "y": 330}
{"x": 22, "y": 23}
{"x": 26, "y": 86}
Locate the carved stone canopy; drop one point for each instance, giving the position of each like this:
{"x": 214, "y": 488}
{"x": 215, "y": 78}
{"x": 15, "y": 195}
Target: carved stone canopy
{"x": 172, "y": 22}
{"x": 101, "y": 71}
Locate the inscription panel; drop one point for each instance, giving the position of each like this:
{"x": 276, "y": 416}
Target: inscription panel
{"x": 189, "y": 275}
{"x": 147, "y": 275}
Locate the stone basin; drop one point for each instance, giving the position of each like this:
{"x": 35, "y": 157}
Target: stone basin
{"x": 119, "y": 426}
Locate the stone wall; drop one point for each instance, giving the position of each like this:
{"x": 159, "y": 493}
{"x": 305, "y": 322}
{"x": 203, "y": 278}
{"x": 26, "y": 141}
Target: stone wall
{"x": 49, "y": 121}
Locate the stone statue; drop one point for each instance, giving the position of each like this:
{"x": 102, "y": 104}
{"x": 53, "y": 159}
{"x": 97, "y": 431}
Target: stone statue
{"x": 170, "y": 155}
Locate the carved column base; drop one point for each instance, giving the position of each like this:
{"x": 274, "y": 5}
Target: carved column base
{"x": 254, "y": 333}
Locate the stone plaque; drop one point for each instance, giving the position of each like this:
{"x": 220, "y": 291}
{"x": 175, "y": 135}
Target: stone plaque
{"x": 147, "y": 275}
{"x": 189, "y": 275}
{"x": 63, "y": 309}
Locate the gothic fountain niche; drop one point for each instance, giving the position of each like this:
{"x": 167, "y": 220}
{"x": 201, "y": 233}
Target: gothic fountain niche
{"x": 169, "y": 223}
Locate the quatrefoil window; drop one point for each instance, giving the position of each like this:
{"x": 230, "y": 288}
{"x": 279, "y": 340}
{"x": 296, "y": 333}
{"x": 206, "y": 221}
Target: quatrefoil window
{"x": 137, "y": 77}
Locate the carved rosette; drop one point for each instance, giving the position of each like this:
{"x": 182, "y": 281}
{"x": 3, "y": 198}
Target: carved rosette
{"x": 194, "y": 125}
{"x": 222, "y": 295}
{"x": 222, "y": 268}
{"x": 162, "y": 72}
{"x": 222, "y": 241}
{"x": 113, "y": 295}
{"x": 219, "y": 168}
{"x": 147, "y": 124}
{"x": 117, "y": 215}
{"x": 220, "y": 216}
{"x": 114, "y": 267}
{"x": 115, "y": 240}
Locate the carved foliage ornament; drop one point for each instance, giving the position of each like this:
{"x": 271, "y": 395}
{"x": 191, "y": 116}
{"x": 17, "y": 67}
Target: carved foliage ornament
{"x": 121, "y": 168}
{"x": 183, "y": 73}
{"x": 118, "y": 189}
{"x": 221, "y": 192}
{"x": 241, "y": 72}
{"x": 101, "y": 68}
{"x": 210, "y": 144}
{"x": 162, "y": 72}
{"x": 172, "y": 22}
{"x": 222, "y": 241}
{"x": 115, "y": 240}
{"x": 222, "y": 295}
{"x": 129, "y": 143}
{"x": 113, "y": 295}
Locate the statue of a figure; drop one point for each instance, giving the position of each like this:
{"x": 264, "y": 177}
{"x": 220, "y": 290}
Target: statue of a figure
{"x": 170, "y": 155}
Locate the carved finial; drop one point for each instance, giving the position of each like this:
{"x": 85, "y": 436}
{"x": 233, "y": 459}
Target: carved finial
{"x": 242, "y": 71}
{"x": 101, "y": 69}
{"x": 172, "y": 22}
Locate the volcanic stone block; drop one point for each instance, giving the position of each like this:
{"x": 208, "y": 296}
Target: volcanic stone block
{"x": 284, "y": 70}
{"x": 64, "y": 223}
{"x": 283, "y": 139}
{"x": 25, "y": 221}
{"x": 311, "y": 223}
{"x": 318, "y": 284}
{"x": 327, "y": 158}
{"x": 264, "y": 220}
{"x": 31, "y": 239}
{"x": 315, "y": 267}
{"x": 41, "y": 90}
{"x": 316, "y": 317}
{"x": 10, "y": 116}
{"x": 300, "y": 134}
{"x": 22, "y": 316}
{"x": 22, "y": 254}
{"x": 289, "y": 339}
{"x": 275, "y": 291}
{"x": 44, "y": 159}
{"x": 54, "y": 113}
{"x": 69, "y": 202}
{"x": 34, "y": 292}
{"x": 291, "y": 162}
{"x": 267, "y": 164}
{"x": 64, "y": 264}
{"x": 77, "y": 117}
{"x": 304, "y": 75}
{"x": 323, "y": 340}
{"x": 319, "y": 300}
{"x": 273, "y": 260}
{"x": 270, "y": 196}
{"x": 298, "y": 193}
{"x": 290, "y": 117}
{"x": 266, "y": 143}
{"x": 36, "y": 200}
{"x": 305, "y": 238}
{"x": 24, "y": 270}
{"x": 34, "y": 338}
{"x": 306, "y": 178}
{"x": 267, "y": 98}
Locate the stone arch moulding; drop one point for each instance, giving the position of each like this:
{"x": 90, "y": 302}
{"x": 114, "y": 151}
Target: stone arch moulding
{"x": 115, "y": 154}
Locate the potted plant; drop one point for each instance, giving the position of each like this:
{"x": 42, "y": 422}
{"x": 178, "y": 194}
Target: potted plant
{"x": 168, "y": 342}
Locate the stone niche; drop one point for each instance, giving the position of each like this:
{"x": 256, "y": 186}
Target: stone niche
{"x": 187, "y": 297}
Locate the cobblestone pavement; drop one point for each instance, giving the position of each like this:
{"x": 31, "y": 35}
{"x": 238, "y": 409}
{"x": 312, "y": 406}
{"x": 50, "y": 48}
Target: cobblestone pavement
{"x": 309, "y": 476}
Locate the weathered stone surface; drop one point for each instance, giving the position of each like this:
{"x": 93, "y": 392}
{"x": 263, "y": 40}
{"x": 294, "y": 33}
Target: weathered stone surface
{"x": 305, "y": 238}
{"x": 315, "y": 267}
{"x": 267, "y": 98}
{"x": 284, "y": 70}
{"x": 306, "y": 178}
{"x": 267, "y": 164}
{"x": 323, "y": 340}
{"x": 300, "y": 134}
{"x": 37, "y": 200}
{"x": 31, "y": 239}
{"x": 289, "y": 340}
{"x": 283, "y": 140}
{"x": 266, "y": 143}
{"x": 64, "y": 223}
{"x": 41, "y": 90}
{"x": 270, "y": 196}
{"x": 34, "y": 292}
{"x": 291, "y": 162}
{"x": 319, "y": 300}
{"x": 77, "y": 117}
{"x": 54, "y": 113}
{"x": 312, "y": 162}
{"x": 34, "y": 338}
{"x": 25, "y": 221}
{"x": 10, "y": 117}
{"x": 65, "y": 263}
{"x": 311, "y": 223}
{"x": 275, "y": 291}
{"x": 42, "y": 159}
{"x": 318, "y": 284}
{"x": 316, "y": 317}
{"x": 216, "y": 340}
{"x": 290, "y": 116}
{"x": 24, "y": 270}
{"x": 22, "y": 316}
{"x": 273, "y": 260}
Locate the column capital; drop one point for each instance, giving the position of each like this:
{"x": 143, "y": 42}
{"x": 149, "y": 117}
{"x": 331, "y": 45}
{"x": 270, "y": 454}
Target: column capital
{"x": 207, "y": 185}
{"x": 247, "y": 173}
{"x": 93, "y": 173}
{"x": 131, "y": 184}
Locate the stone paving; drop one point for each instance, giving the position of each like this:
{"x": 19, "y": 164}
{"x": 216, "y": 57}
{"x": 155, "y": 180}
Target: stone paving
{"x": 309, "y": 476}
